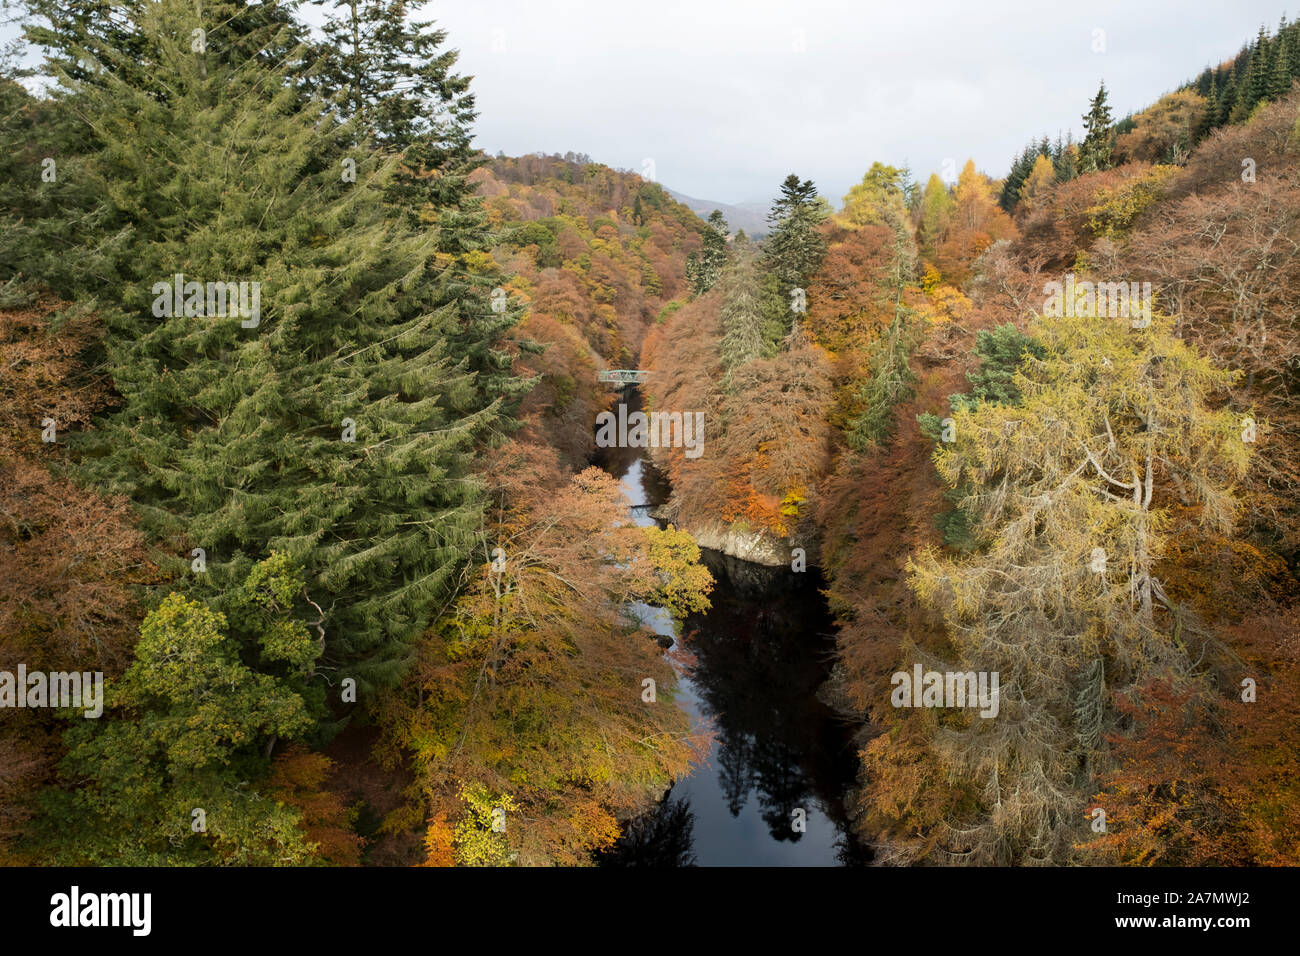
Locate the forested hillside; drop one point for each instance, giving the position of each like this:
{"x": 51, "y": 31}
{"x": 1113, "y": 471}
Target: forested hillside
{"x": 348, "y": 490}
{"x": 1098, "y": 507}
{"x": 299, "y": 406}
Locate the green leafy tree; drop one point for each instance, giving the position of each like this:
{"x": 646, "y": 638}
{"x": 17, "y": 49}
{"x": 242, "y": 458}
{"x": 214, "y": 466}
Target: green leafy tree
{"x": 187, "y": 727}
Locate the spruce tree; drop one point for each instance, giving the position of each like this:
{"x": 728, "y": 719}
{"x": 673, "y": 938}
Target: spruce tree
{"x": 1066, "y": 159}
{"x": 1279, "y": 77}
{"x": 795, "y": 246}
{"x": 1094, "y": 153}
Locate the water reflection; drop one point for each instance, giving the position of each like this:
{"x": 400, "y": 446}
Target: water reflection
{"x": 783, "y": 761}
{"x": 771, "y": 792}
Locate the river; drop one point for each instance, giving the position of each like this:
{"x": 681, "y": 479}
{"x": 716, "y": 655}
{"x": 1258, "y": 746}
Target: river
{"x": 772, "y": 791}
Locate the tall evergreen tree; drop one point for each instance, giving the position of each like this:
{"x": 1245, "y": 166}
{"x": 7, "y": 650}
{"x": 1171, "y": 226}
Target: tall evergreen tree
{"x": 1279, "y": 77}
{"x": 1098, "y": 140}
{"x": 745, "y": 332}
{"x": 1065, "y": 159}
{"x": 333, "y": 420}
{"x": 795, "y": 246}
{"x": 702, "y": 268}
{"x": 391, "y": 78}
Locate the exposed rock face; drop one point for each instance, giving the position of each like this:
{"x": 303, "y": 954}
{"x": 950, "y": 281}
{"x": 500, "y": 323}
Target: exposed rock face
{"x": 758, "y": 547}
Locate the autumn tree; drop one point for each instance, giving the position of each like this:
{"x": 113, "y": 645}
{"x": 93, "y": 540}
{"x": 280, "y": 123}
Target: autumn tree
{"x": 70, "y": 558}
{"x": 878, "y": 200}
{"x": 1040, "y": 182}
{"x": 1069, "y": 500}
{"x": 936, "y": 209}
{"x": 533, "y": 699}
{"x": 976, "y": 223}
{"x": 1165, "y": 131}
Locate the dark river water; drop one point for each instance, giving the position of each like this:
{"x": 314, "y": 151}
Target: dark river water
{"x": 761, "y": 652}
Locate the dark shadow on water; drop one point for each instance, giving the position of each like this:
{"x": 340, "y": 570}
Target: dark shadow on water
{"x": 762, "y": 651}
{"x": 661, "y": 838}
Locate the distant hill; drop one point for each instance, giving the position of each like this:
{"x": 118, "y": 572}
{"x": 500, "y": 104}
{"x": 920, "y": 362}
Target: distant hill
{"x": 750, "y": 216}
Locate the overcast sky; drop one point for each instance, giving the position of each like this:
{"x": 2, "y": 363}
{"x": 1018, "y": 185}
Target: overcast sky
{"x": 728, "y": 96}
{"x": 720, "y": 99}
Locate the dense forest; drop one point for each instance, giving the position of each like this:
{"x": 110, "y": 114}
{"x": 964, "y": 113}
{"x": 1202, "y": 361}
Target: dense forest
{"x": 1100, "y": 511}
{"x": 298, "y": 393}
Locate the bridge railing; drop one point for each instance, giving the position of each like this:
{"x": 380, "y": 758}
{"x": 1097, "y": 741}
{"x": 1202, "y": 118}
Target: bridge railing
{"x": 622, "y": 376}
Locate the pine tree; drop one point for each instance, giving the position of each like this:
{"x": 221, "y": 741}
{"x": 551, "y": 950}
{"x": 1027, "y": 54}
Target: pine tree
{"x": 1098, "y": 140}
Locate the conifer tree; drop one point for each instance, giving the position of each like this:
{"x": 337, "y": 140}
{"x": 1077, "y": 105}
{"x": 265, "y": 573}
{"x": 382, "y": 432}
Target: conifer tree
{"x": 795, "y": 246}
{"x": 702, "y": 268}
{"x": 745, "y": 335}
{"x": 1094, "y": 152}
{"x": 890, "y": 380}
{"x": 391, "y": 78}
{"x": 335, "y": 418}
{"x": 1066, "y": 159}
